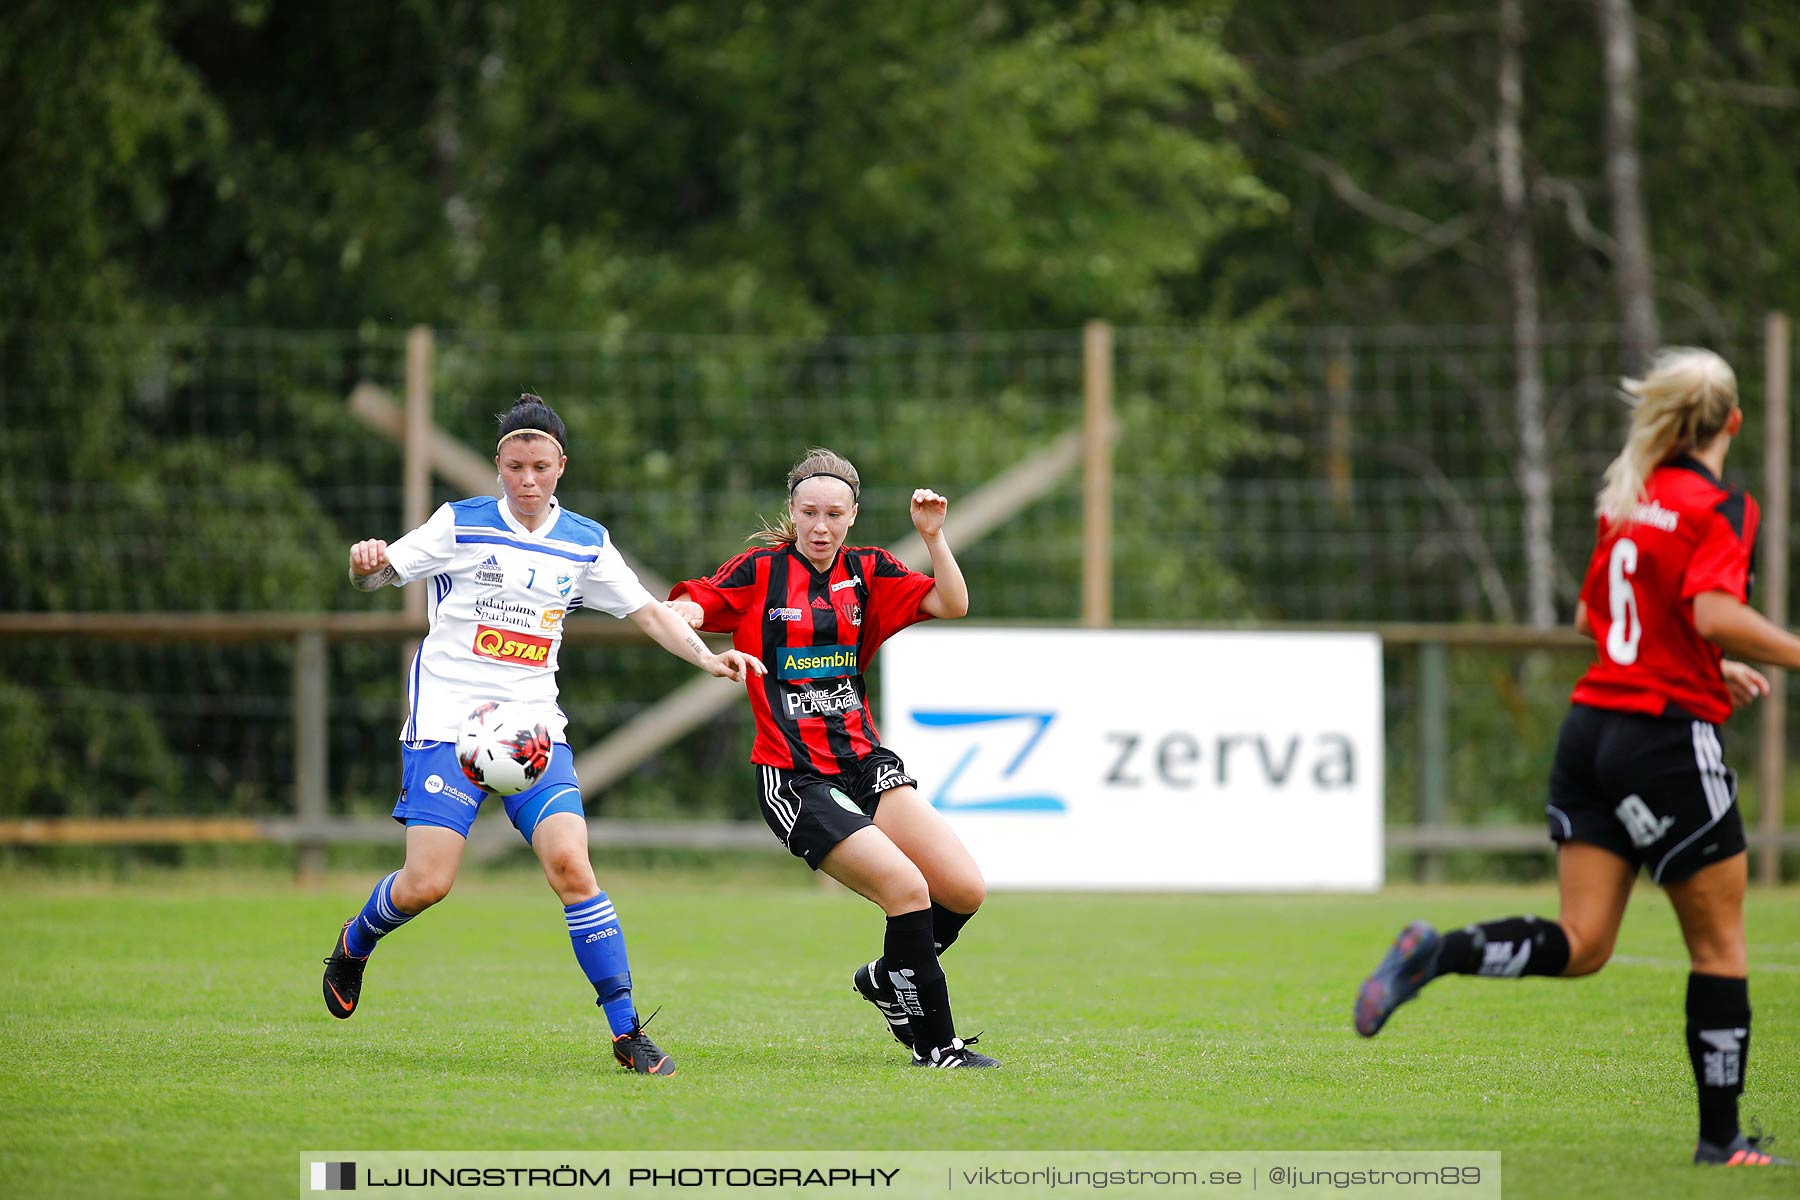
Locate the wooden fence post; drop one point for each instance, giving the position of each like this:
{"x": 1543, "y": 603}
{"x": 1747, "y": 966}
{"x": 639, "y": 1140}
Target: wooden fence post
{"x": 1096, "y": 491}
{"x": 311, "y": 749}
{"x": 1432, "y": 705}
{"x": 1771, "y": 772}
{"x": 417, "y": 446}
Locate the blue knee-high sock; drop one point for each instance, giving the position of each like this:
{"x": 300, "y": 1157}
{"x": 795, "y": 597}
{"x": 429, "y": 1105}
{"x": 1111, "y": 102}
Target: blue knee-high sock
{"x": 377, "y": 919}
{"x": 600, "y": 949}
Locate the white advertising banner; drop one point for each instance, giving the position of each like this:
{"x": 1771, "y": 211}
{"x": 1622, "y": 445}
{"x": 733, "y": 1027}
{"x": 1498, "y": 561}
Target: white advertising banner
{"x": 1139, "y": 759}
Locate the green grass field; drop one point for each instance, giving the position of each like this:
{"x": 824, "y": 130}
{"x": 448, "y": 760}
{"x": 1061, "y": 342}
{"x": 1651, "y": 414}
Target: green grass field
{"x": 165, "y": 1036}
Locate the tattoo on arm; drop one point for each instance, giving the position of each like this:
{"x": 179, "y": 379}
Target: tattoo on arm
{"x": 697, "y": 646}
{"x": 370, "y": 583}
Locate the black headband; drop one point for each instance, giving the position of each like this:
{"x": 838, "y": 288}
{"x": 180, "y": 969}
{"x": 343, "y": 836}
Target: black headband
{"x": 849, "y": 483}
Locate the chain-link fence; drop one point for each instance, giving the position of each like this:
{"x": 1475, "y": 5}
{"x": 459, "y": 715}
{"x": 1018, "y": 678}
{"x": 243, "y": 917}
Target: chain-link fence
{"x": 1331, "y": 474}
{"x": 1342, "y": 475}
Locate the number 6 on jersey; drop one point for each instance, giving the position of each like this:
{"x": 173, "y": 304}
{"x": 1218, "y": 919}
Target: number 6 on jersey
{"x": 1625, "y": 630}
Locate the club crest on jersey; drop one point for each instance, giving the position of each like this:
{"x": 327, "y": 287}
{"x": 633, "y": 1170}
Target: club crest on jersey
{"x": 815, "y": 662}
{"x": 504, "y": 646}
{"x": 489, "y": 574}
{"x": 564, "y": 585}
{"x": 787, "y": 614}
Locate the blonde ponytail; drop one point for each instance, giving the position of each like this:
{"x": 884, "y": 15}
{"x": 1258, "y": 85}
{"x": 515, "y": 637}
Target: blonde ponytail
{"x": 1680, "y": 404}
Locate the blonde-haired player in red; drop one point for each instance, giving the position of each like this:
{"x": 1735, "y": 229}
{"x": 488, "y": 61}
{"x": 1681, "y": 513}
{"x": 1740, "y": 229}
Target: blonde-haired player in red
{"x": 1639, "y": 779}
{"x": 816, "y": 610}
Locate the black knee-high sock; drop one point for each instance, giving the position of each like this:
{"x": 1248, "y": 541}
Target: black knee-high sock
{"x": 1508, "y": 949}
{"x": 1718, "y": 1041}
{"x": 911, "y": 967}
{"x": 946, "y": 925}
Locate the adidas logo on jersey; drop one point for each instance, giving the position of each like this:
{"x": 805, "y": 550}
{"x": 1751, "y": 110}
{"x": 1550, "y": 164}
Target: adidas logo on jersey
{"x": 821, "y": 603}
{"x": 489, "y": 572}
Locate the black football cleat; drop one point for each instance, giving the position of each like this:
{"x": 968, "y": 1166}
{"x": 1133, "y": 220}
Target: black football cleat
{"x": 956, "y": 1054}
{"x": 343, "y": 977}
{"x": 1410, "y": 963}
{"x": 635, "y": 1051}
{"x": 1745, "y": 1150}
{"x": 886, "y": 1001}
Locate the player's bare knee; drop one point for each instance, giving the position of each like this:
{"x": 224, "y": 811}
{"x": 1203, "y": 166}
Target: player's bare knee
{"x": 1588, "y": 950}
{"x": 1587, "y": 960}
{"x": 904, "y": 893}
{"x": 416, "y": 891}
{"x": 962, "y": 895}
{"x": 571, "y": 873}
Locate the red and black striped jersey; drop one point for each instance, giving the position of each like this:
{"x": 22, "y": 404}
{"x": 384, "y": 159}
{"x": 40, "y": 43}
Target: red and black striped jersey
{"x": 816, "y": 631}
{"x": 1689, "y": 534}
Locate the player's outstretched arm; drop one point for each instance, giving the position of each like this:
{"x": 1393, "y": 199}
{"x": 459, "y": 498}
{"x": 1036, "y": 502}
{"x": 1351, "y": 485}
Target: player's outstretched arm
{"x": 671, "y": 632}
{"x": 1736, "y": 628}
{"x": 369, "y": 565}
{"x": 949, "y": 597}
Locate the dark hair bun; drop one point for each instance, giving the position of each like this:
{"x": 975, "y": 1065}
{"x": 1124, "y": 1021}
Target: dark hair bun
{"x": 530, "y": 414}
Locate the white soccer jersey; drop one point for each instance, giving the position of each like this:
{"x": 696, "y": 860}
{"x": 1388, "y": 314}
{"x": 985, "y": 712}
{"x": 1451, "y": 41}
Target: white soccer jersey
{"x": 499, "y": 596}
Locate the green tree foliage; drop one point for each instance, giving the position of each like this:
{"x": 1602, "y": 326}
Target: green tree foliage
{"x": 1376, "y": 120}
{"x": 801, "y": 171}
{"x": 795, "y": 171}
{"x": 1721, "y": 116}
{"x": 102, "y": 120}
{"x": 918, "y": 166}
{"x": 800, "y": 168}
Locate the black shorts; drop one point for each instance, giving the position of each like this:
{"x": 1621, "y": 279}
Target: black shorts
{"x": 812, "y": 813}
{"x": 1653, "y": 790}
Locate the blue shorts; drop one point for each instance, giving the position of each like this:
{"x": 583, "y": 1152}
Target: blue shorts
{"x": 434, "y": 791}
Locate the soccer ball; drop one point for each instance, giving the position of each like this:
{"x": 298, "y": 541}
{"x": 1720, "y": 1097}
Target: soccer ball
{"x": 503, "y": 747}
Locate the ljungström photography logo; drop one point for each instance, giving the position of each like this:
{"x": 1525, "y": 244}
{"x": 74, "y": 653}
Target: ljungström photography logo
{"x": 334, "y": 1177}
